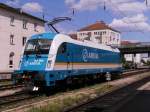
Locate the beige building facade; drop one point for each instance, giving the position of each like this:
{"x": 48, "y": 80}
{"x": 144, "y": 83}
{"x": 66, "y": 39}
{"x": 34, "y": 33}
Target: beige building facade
{"x": 15, "y": 28}
{"x": 101, "y": 33}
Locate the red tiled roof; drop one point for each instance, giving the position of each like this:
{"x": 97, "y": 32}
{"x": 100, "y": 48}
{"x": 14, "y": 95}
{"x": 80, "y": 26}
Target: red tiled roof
{"x": 74, "y": 36}
{"x": 125, "y": 42}
{"x": 99, "y": 25}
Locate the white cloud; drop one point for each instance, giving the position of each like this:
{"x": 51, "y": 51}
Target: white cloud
{"x": 127, "y": 6}
{"x": 135, "y": 19}
{"x": 64, "y": 30}
{"x": 133, "y": 7}
{"x": 85, "y": 4}
{"x": 32, "y": 7}
{"x": 70, "y": 2}
{"x": 132, "y": 12}
{"x": 134, "y": 23}
{"x": 13, "y": 2}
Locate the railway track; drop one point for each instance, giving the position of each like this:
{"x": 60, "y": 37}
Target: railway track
{"x": 133, "y": 72}
{"x": 10, "y": 86}
{"x": 21, "y": 96}
{"x": 14, "y": 98}
{"x": 10, "y": 101}
{"x": 108, "y": 102}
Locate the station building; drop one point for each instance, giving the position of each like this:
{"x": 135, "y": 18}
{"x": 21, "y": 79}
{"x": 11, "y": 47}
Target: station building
{"x": 99, "y": 32}
{"x": 16, "y": 27}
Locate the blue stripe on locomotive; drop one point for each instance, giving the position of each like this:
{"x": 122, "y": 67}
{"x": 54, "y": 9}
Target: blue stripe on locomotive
{"x": 77, "y": 54}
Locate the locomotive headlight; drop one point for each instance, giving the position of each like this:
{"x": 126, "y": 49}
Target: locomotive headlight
{"x": 20, "y": 63}
{"x": 49, "y": 64}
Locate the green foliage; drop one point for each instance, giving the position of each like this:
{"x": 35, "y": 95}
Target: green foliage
{"x": 69, "y": 101}
{"x": 103, "y": 89}
{"x": 51, "y": 107}
{"x": 127, "y": 65}
{"x": 123, "y": 59}
{"x": 59, "y": 104}
{"x": 148, "y": 63}
{"x": 143, "y": 61}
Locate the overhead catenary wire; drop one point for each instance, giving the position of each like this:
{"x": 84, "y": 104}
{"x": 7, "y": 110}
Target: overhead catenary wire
{"x": 110, "y": 14}
{"x": 146, "y": 2}
{"x": 73, "y": 12}
{"x": 122, "y": 13}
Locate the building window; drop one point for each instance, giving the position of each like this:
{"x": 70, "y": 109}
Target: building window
{"x": 12, "y": 19}
{"x": 25, "y": 24}
{"x": 117, "y": 40}
{"x": 24, "y": 39}
{"x": 110, "y": 38}
{"x": 11, "y": 55}
{"x": 82, "y": 34}
{"x": 95, "y": 33}
{"x": 35, "y": 27}
{"x": 118, "y": 35}
{"x": 104, "y": 32}
{"x": 11, "y": 39}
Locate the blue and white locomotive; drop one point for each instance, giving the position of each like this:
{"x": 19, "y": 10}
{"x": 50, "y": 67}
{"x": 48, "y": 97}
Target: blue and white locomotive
{"x": 49, "y": 58}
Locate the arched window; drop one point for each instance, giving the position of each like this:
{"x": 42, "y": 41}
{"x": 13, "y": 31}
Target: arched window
{"x": 11, "y": 55}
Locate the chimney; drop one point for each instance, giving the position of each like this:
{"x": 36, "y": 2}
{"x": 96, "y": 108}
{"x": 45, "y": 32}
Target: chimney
{"x": 102, "y": 22}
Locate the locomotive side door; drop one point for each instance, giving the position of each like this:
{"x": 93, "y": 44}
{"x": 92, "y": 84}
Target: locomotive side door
{"x": 65, "y": 55}
{"x": 69, "y": 58}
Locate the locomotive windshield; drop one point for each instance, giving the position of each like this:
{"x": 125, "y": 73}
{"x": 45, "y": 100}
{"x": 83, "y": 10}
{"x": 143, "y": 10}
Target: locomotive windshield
{"x": 37, "y": 46}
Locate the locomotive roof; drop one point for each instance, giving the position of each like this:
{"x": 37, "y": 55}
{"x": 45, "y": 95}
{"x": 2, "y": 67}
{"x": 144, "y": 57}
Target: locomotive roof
{"x": 66, "y": 38}
{"x": 49, "y": 36}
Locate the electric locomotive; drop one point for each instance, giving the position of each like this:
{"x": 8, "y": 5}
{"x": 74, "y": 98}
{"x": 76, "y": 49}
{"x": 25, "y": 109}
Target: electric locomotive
{"x": 49, "y": 58}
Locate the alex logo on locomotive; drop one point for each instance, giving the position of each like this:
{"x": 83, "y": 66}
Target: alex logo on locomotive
{"x": 89, "y": 55}
{"x": 33, "y": 62}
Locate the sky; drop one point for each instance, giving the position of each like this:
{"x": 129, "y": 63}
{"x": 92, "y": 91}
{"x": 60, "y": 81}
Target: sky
{"x": 130, "y": 17}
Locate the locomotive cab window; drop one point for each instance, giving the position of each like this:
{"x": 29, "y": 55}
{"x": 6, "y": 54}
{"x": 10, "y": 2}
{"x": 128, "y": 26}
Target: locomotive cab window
{"x": 38, "y": 46}
{"x": 62, "y": 48}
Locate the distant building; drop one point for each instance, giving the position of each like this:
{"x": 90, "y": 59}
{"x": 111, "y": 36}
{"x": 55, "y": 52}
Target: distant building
{"x": 16, "y": 27}
{"x": 125, "y": 42}
{"x": 136, "y": 58}
{"x": 99, "y": 32}
{"x": 73, "y": 36}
